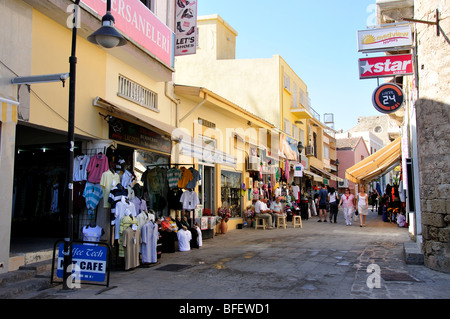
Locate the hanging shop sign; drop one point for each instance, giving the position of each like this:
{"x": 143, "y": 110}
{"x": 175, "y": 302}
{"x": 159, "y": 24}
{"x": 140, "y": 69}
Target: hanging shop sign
{"x": 186, "y": 27}
{"x": 388, "y": 98}
{"x": 383, "y": 39}
{"x": 136, "y": 21}
{"x": 385, "y": 66}
{"x": 133, "y": 134}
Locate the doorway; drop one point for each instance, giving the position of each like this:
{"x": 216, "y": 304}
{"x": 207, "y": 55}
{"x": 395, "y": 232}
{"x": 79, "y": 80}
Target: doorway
{"x": 206, "y": 187}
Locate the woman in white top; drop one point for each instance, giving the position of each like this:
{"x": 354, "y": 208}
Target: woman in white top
{"x": 363, "y": 206}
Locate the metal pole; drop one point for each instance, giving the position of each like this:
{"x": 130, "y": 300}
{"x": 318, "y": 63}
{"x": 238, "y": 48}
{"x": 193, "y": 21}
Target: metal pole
{"x": 68, "y": 239}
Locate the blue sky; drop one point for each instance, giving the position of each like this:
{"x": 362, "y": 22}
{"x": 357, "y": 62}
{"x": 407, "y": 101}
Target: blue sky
{"x": 316, "y": 38}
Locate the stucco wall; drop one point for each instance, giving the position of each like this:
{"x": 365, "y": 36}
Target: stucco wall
{"x": 433, "y": 130}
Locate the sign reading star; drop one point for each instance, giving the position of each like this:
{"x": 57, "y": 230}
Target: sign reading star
{"x": 367, "y": 67}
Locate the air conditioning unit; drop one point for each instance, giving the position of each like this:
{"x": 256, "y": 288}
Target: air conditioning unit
{"x": 343, "y": 184}
{"x": 253, "y": 163}
{"x": 309, "y": 151}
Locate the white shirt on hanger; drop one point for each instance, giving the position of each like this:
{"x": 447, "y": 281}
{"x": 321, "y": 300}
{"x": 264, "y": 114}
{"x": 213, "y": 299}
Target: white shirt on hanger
{"x": 189, "y": 199}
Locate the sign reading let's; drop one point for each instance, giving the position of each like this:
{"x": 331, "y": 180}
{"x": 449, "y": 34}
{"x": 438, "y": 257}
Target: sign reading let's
{"x": 137, "y": 22}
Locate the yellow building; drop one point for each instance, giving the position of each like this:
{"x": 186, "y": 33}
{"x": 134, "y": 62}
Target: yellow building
{"x": 124, "y": 108}
{"x": 268, "y": 88}
{"x": 215, "y": 137}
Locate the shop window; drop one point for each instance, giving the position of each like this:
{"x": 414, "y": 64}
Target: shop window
{"x": 230, "y": 183}
{"x": 149, "y": 4}
{"x": 137, "y": 93}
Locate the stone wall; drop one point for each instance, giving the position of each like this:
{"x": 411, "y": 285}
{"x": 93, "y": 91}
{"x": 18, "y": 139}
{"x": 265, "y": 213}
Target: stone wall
{"x": 433, "y": 130}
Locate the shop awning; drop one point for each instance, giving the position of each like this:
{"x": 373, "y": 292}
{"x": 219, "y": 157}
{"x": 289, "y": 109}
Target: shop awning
{"x": 8, "y": 109}
{"x": 376, "y": 164}
{"x": 336, "y": 178}
{"x": 162, "y": 127}
{"x": 315, "y": 177}
{"x": 205, "y": 153}
{"x": 327, "y": 174}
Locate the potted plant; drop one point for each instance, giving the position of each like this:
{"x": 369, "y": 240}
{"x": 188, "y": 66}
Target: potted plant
{"x": 249, "y": 214}
{"x": 224, "y": 214}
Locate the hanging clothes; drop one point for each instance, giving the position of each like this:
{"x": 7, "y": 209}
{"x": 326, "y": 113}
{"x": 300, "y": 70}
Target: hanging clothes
{"x": 109, "y": 180}
{"x": 80, "y": 164}
{"x": 173, "y": 176}
{"x": 149, "y": 234}
{"x": 195, "y": 178}
{"x": 126, "y": 223}
{"x": 92, "y": 193}
{"x": 185, "y": 178}
{"x": 189, "y": 199}
{"x": 131, "y": 242}
{"x": 115, "y": 195}
{"x": 98, "y": 164}
{"x": 123, "y": 209}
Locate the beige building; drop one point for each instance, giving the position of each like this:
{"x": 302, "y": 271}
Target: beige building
{"x": 268, "y": 88}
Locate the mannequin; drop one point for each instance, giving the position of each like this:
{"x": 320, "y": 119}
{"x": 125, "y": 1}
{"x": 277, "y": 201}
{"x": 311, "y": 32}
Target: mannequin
{"x": 92, "y": 232}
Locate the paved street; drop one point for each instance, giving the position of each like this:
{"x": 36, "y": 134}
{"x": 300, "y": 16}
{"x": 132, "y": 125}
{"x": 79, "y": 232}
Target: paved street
{"x": 321, "y": 260}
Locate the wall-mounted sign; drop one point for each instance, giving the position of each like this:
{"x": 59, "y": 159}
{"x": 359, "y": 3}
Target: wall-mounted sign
{"x": 186, "y": 28}
{"x": 385, "y": 66}
{"x": 133, "y": 134}
{"x": 136, "y": 21}
{"x": 388, "y": 98}
{"x": 384, "y": 39}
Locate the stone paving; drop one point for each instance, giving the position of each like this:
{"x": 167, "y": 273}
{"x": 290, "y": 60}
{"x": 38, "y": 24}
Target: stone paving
{"x": 318, "y": 261}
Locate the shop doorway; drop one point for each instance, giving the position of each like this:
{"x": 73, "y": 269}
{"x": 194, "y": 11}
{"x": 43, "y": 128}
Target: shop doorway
{"x": 206, "y": 187}
{"x": 40, "y": 175}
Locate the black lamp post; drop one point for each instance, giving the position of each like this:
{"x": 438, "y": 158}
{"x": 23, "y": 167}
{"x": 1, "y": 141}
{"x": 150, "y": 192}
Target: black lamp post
{"x": 337, "y": 172}
{"x": 300, "y": 148}
{"x": 108, "y": 37}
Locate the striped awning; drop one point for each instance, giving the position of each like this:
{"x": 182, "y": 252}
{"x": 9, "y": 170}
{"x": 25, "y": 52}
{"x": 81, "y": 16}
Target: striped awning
{"x": 376, "y": 164}
{"x": 9, "y": 109}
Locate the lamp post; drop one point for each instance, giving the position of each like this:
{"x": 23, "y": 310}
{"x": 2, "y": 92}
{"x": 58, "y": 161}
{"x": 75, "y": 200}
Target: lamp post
{"x": 108, "y": 37}
{"x": 300, "y": 148}
{"x": 337, "y": 173}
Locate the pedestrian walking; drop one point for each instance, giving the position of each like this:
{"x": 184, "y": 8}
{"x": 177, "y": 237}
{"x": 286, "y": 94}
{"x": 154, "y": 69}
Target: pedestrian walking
{"x": 333, "y": 199}
{"x": 323, "y": 201}
{"x": 363, "y": 206}
{"x": 374, "y": 197}
{"x": 348, "y": 204}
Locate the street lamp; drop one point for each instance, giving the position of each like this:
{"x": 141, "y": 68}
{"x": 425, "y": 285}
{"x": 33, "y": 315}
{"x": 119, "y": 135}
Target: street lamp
{"x": 337, "y": 172}
{"x": 108, "y": 37}
{"x": 300, "y": 148}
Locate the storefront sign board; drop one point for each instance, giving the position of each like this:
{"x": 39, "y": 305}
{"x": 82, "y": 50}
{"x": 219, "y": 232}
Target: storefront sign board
{"x": 383, "y": 39}
{"x": 90, "y": 262}
{"x": 186, "y": 27}
{"x": 138, "y": 23}
{"x": 133, "y": 134}
{"x": 385, "y": 66}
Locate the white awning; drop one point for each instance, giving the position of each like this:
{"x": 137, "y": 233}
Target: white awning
{"x": 206, "y": 153}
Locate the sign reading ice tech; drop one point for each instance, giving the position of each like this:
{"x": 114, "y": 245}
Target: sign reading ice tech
{"x": 388, "y": 98}
{"x": 385, "y": 66}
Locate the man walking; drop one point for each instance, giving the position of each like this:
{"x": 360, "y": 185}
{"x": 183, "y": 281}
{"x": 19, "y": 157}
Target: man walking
{"x": 323, "y": 202}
